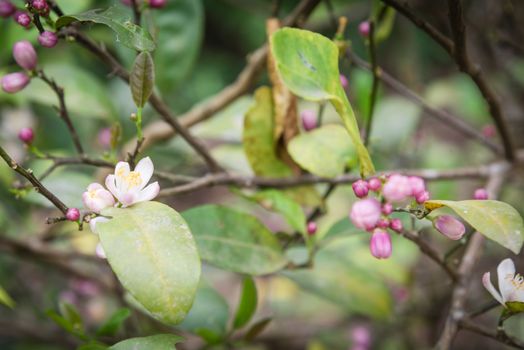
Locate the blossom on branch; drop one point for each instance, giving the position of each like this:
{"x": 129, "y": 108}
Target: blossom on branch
{"x": 511, "y": 285}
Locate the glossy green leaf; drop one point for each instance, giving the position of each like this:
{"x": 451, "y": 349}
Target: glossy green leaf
{"x": 113, "y": 324}
{"x": 234, "y": 241}
{"x": 179, "y": 27}
{"x": 308, "y": 64}
{"x": 248, "y": 303}
{"x": 496, "y": 220}
{"x": 142, "y": 79}
{"x": 156, "y": 342}
{"x": 150, "y": 248}
{"x": 325, "y": 151}
{"x": 120, "y": 20}
{"x": 258, "y": 139}
{"x": 5, "y": 298}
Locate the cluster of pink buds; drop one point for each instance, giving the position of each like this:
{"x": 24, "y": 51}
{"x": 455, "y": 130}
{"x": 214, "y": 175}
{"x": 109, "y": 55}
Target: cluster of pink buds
{"x": 25, "y": 55}
{"x": 372, "y": 213}
{"x": 155, "y": 4}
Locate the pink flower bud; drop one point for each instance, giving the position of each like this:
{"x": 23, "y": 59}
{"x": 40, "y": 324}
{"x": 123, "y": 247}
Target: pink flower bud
{"x": 344, "y": 81}
{"x": 365, "y": 213}
{"x": 364, "y": 28}
{"x": 387, "y": 209}
{"x": 361, "y": 336}
{"x": 360, "y": 187}
{"x": 23, "y": 19}
{"x": 14, "y": 82}
{"x": 73, "y": 214}
{"x": 418, "y": 185}
{"x": 26, "y": 135}
{"x": 40, "y": 5}
{"x": 374, "y": 184}
{"x": 383, "y": 223}
{"x": 309, "y": 120}
{"x": 157, "y": 3}
{"x": 422, "y": 197}
{"x": 449, "y": 226}
{"x": 396, "y": 225}
{"x": 104, "y": 137}
{"x": 311, "y": 228}
{"x": 397, "y": 188}
{"x": 25, "y": 55}
{"x": 48, "y": 39}
{"x": 489, "y": 131}
{"x": 6, "y": 8}
{"x": 380, "y": 244}
{"x": 480, "y": 193}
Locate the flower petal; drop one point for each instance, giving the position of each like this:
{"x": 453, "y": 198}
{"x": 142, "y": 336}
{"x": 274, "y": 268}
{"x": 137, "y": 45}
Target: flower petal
{"x": 148, "y": 193}
{"x": 505, "y": 274}
{"x": 145, "y": 168}
{"x": 121, "y": 172}
{"x": 486, "y": 281}
{"x": 111, "y": 186}
{"x": 94, "y": 186}
{"x": 94, "y": 221}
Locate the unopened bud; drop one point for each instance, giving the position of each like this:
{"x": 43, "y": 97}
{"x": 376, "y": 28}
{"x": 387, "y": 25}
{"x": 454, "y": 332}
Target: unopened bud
{"x": 360, "y": 188}
{"x": 364, "y": 28}
{"x": 157, "y": 3}
{"x": 374, "y": 184}
{"x": 6, "y": 8}
{"x": 23, "y": 19}
{"x": 48, "y": 39}
{"x": 25, "y": 55}
{"x": 387, "y": 209}
{"x": 365, "y": 213}
{"x": 380, "y": 244}
{"x": 396, "y": 225}
{"x": 422, "y": 197}
{"x": 73, "y": 214}
{"x": 344, "y": 81}
{"x": 14, "y": 82}
{"x": 480, "y": 193}
{"x": 26, "y": 135}
{"x": 449, "y": 226}
{"x": 311, "y": 228}
{"x": 309, "y": 119}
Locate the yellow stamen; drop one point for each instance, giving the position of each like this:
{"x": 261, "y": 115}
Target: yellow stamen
{"x": 133, "y": 179}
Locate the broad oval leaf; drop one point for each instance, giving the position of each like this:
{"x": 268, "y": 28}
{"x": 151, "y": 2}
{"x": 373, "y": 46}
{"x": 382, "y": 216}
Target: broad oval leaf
{"x": 119, "y": 19}
{"x": 248, "y": 303}
{"x": 308, "y": 64}
{"x": 234, "y": 241}
{"x": 324, "y": 151}
{"x": 142, "y": 79}
{"x": 150, "y": 248}
{"x": 156, "y": 342}
{"x": 496, "y": 220}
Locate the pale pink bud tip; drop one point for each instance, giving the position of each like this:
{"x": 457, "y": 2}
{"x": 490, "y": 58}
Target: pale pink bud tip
{"x": 309, "y": 120}
{"x": 374, "y": 184}
{"x": 157, "y": 3}
{"x": 40, "y": 5}
{"x": 48, "y": 39}
{"x": 397, "y": 188}
{"x": 73, "y": 214}
{"x": 387, "y": 209}
{"x": 489, "y": 131}
{"x": 361, "y": 188}
{"x": 450, "y": 227}
{"x": 380, "y": 244}
{"x": 6, "y": 8}
{"x": 361, "y": 336}
{"x": 26, "y": 135}
{"x": 364, "y": 28}
{"x": 422, "y": 197}
{"x": 311, "y": 228}
{"x": 396, "y": 225}
{"x": 14, "y": 82}
{"x": 365, "y": 213}
{"x": 480, "y": 193}
{"x": 25, "y": 55}
{"x": 344, "y": 81}
{"x": 23, "y": 19}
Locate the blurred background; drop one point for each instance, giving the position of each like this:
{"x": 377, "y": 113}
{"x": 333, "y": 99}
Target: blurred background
{"x": 202, "y": 46}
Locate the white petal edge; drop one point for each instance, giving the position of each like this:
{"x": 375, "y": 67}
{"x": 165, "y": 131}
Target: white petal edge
{"x": 148, "y": 193}
{"x": 94, "y": 186}
{"x": 145, "y": 168}
{"x": 486, "y": 281}
{"x": 505, "y": 274}
{"x": 111, "y": 186}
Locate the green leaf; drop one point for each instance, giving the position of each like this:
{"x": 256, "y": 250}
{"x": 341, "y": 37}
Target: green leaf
{"x": 258, "y": 137}
{"x": 179, "y": 29}
{"x": 119, "y": 19}
{"x": 154, "y": 342}
{"x": 93, "y": 345}
{"x": 6, "y": 299}
{"x": 280, "y": 202}
{"x": 324, "y": 151}
{"x": 208, "y": 316}
{"x": 308, "y": 64}
{"x": 248, "y": 303}
{"x": 150, "y": 248}
{"x": 234, "y": 241}
{"x": 111, "y": 326}
{"x": 257, "y": 328}
{"x": 496, "y": 220}
{"x": 71, "y": 314}
{"x": 66, "y": 324}
{"x": 142, "y": 79}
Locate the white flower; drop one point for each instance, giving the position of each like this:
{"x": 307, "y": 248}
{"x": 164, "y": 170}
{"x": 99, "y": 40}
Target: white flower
{"x": 129, "y": 187}
{"x": 97, "y": 198}
{"x": 511, "y": 285}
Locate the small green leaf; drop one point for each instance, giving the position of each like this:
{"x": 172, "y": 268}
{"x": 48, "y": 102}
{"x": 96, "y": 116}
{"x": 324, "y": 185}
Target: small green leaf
{"x": 150, "y": 248}
{"x": 257, "y": 328}
{"x": 325, "y": 151}
{"x": 5, "y": 298}
{"x": 496, "y": 220}
{"x": 248, "y": 303}
{"x": 119, "y": 20}
{"x": 66, "y": 325}
{"x": 308, "y": 64}
{"x": 142, "y": 79}
{"x": 154, "y": 342}
{"x": 234, "y": 241}
{"x": 71, "y": 314}
{"x": 111, "y": 326}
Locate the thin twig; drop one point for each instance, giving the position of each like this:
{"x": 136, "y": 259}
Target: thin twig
{"x": 374, "y": 86}
{"x": 500, "y": 336}
{"x": 136, "y": 12}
